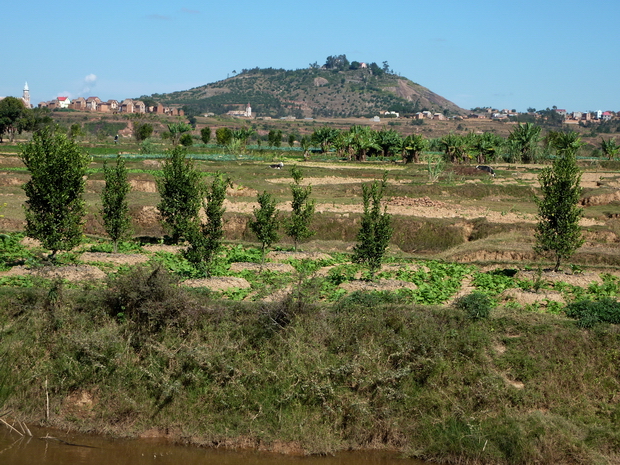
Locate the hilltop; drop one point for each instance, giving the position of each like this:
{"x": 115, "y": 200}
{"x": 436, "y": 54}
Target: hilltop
{"x": 333, "y": 90}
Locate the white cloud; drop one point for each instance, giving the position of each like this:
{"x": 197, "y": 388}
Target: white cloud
{"x": 90, "y": 78}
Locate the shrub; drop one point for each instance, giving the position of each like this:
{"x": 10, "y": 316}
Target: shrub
{"x": 150, "y": 298}
{"x": 590, "y": 312}
{"x": 476, "y": 305}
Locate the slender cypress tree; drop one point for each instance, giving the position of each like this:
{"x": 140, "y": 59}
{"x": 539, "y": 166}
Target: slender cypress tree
{"x": 298, "y": 225}
{"x": 558, "y": 229}
{"x": 115, "y": 207}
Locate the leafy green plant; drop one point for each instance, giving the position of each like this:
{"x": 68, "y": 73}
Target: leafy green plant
{"x": 590, "y": 312}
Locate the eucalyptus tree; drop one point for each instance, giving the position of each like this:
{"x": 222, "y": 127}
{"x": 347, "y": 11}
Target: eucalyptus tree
{"x": 523, "y": 142}
{"x": 376, "y": 228}
{"x": 265, "y": 223}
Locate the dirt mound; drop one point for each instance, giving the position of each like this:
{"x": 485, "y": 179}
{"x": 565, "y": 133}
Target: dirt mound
{"x": 152, "y": 164}
{"x": 529, "y": 298}
{"x": 380, "y": 285}
{"x": 73, "y": 273}
{"x": 415, "y": 202}
{"x": 603, "y": 199}
{"x": 143, "y": 186}
{"x": 497, "y": 256}
{"x": 219, "y": 284}
{"x": 281, "y": 256}
{"x": 114, "y": 258}
{"x": 241, "y": 191}
{"x": 257, "y": 267}
{"x": 11, "y": 181}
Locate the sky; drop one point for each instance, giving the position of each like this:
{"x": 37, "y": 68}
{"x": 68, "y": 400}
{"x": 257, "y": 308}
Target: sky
{"x": 477, "y": 53}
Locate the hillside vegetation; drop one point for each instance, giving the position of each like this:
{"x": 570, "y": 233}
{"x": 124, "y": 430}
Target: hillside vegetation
{"x": 312, "y": 92}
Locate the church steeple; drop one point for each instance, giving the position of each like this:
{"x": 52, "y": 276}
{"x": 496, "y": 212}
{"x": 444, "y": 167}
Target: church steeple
{"x": 26, "y": 96}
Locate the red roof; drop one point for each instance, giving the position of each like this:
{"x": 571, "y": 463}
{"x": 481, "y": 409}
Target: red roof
{"x": 62, "y": 99}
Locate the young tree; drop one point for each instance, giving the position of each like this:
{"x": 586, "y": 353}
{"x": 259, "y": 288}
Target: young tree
{"x": 265, "y": 223}
{"x": 55, "y": 208}
{"x": 375, "y": 229}
{"x": 176, "y": 130}
{"x": 115, "y": 208}
{"x": 12, "y": 110}
{"x": 206, "y": 238}
{"x": 180, "y": 189}
{"x": 558, "y": 229}
{"x": 186, "y": 140}
{"x": 205, "y": 135}
{"x": 142, "y": 131}
{"x": 223, "y": 135}
{"x": 298, "y": 225}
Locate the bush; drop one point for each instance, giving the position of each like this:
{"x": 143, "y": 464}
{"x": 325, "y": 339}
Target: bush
{"x": 150, "y": 298}
{"x": 476, "y": 305}
{"x": 590, "y": 312}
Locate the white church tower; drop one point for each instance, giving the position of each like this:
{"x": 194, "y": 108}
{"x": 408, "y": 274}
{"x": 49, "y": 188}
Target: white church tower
{"x": 26, "y": 96}
{"x": 248, "y": 111}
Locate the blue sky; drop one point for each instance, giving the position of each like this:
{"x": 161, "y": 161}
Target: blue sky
{"x": 503, "y": 54}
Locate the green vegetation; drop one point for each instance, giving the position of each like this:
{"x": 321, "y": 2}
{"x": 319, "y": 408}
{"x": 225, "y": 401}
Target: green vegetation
{"x": 206, "y": 238}
{"x": 366, "y": 371}
{"x": 297, "y": 226}
{"x": 558, "y": 230}
{"x": 55, "y": 208}
{"x": 375, "y": 231}
{"x": 115, "y": 207}
{"x": 265, "y": 223}
{"x": 180, "y": 189}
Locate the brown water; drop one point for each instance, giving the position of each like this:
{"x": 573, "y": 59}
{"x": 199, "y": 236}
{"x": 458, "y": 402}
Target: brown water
{"x": 97, "y": 450}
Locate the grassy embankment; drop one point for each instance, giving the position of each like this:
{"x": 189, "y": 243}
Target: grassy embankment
{"x": 318, "y": 375}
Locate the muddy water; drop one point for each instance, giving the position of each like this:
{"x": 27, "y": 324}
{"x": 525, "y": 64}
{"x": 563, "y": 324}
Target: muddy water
{"x": 96, "y": 450}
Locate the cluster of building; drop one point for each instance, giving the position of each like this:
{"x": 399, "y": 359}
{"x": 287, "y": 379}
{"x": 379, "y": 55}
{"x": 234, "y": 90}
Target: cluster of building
{"x": 575, "y": 117}
{"x": 111, "y": 106}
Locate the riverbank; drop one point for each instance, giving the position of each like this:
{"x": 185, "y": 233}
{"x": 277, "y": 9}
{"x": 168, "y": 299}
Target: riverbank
{"x": 143, "y": 357}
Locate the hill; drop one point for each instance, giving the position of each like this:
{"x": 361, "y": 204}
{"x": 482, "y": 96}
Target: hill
{"x": 312, "y": 92}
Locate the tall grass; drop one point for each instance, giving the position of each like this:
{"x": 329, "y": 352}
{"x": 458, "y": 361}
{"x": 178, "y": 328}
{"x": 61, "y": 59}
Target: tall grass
{"x": 362, "y": 372}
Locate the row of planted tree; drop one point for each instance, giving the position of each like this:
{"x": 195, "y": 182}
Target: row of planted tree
{"x": 55, "y": 211}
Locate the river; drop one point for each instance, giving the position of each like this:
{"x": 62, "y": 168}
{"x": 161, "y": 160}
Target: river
{"x": 81, "y": 449}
